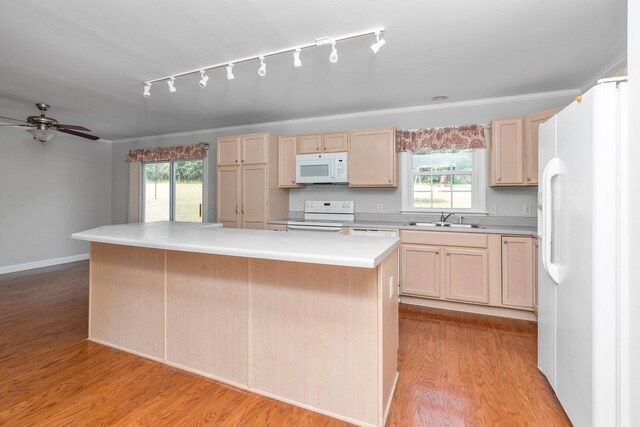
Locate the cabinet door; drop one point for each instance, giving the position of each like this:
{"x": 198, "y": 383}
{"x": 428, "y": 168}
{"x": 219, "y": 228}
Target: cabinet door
{"x": 517, "y": 271}
{"x": 335, "y": 142}
{"x": 309, "y": 144}
{"x": 420, "y": 270}
{"x": 373, "y": 158}
{"x": 466, "y": 275}
{"x": 228, "y": 196}
{"x": 535, "y": 275}
{"x": 531, "y": 124}
{"x": 507, "y": 152}
{"x": 254, "y": 149}
{"x": 287, "y": 162}
{"x": 254, "y": 196}
{"x": 228, "y": 151}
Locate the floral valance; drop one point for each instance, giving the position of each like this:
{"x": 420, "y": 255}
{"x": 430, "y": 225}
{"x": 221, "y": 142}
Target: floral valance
{"x": 461, "y": 137}
{"x": 164, "y": 154}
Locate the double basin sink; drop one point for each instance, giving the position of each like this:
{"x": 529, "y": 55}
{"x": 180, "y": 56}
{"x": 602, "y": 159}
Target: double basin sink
{"x": 443, "y": 224}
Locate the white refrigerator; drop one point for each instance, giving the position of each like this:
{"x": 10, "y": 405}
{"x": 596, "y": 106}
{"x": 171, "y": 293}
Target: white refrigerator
{"x": 582, "y": 244}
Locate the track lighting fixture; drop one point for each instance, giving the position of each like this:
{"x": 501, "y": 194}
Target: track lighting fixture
{"x": 296, "y": 58}
{"x": 262, "y": 71}
{"x": 171, "y": 84}
{"x": 378, "y": 44}
{"x": 334, "y": 53}
{"x": 203, "y": 79}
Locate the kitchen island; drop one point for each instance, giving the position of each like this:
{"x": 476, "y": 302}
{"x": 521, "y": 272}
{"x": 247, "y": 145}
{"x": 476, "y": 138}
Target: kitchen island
{"x": 306, "y": 318}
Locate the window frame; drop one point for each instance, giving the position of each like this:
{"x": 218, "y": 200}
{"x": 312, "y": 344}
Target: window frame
{"x": 172, "y": 188}
{"x": 478, "y": 185}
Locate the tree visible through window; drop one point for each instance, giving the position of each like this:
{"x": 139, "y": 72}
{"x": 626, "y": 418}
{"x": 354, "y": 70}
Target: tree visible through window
{"x": 442, "y": 179}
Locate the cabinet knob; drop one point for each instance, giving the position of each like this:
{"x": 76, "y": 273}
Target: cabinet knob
{"x": 437, "y": 252}
{"x": 528, "y": 179}
{"x": 242, "y": 160}
{"x": 236, "y": 210}
{"x": 293, "y": 182}
{"x": 236, "y": 160}
{"x": 499, "y": 179}
{"x": 389, "y": 181}
{"x": 505, "y": 242}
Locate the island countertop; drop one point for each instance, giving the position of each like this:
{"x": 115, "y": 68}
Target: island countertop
{"x": 308, "y": 247}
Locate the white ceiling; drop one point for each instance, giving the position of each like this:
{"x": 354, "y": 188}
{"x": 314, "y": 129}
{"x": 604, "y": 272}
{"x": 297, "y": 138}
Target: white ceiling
{"x": 88, "y": 59}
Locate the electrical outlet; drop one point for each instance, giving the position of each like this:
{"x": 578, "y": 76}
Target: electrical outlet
{"x": 493, "y": 209}
{"x": 526, "y": 210}
{"x": 391, "y": 287}
{"x": 380, "y": 207}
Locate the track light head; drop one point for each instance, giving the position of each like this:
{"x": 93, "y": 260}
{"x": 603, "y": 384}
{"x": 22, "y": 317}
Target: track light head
{"x": 262, "y": 71}
{"x": 171, "y": 84}
{"x": 230, "y": 75}
{"x": 203, "y": 79}
{"x": 378, "y": 44}
{"x": 147, "y": 90}
{"x": 296, "y": 59}
{"x": 334, "y": 53}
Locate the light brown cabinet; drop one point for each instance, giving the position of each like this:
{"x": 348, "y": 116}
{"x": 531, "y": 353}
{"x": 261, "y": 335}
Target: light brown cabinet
{"x": 517, "y": 271}
{"x": 467, "y": 275}
{"x": 247, "y": 185}
{"x": 420, "y": 270}
{"x": 287, "y": 162}
{"x": 330, "y": 142}
{"x": 449, "y": 266}
{"x": 514, "y": 149}
{"x": 373, "y": 161}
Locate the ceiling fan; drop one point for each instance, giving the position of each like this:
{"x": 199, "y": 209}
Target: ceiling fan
{"x": 44, "y": 128}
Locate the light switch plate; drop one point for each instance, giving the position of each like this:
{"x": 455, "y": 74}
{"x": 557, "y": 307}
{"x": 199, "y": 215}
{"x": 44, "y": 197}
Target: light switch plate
{"x": 380, "y": 207}
{"x": 526, "y": 210}
{"x": 493, "y": 209}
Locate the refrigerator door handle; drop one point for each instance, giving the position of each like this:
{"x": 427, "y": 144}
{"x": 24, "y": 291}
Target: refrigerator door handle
{"x": 550, "y": 171}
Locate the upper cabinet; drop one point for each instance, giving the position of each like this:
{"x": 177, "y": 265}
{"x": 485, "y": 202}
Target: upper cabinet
{"x": 514, "y": 149}
{"x": 373, "y": 161}
{"x": 287, "y": 162}
{"x": 228, "y": 151}
{"x": 332, "y": 142}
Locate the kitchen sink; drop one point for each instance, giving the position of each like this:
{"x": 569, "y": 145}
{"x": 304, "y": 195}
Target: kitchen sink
{"x": 443, "y": 224}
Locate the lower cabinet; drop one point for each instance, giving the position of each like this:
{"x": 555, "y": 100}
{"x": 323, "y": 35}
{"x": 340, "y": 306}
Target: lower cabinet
{"x": 466, "y": 275}
{"x": 421, "y": 270}
{"x": 475, "y": 268}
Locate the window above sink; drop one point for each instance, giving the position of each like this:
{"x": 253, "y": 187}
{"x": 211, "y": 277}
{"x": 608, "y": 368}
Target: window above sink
{"x": 452, "y": 180}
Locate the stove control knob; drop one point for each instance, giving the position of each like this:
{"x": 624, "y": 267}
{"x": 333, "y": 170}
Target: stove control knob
{"x": 344, "y": 205}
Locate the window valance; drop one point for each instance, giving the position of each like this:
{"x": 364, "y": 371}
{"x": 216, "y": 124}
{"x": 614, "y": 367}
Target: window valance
{"x": 163, "y": 154}
{"x": 460, "y": 137}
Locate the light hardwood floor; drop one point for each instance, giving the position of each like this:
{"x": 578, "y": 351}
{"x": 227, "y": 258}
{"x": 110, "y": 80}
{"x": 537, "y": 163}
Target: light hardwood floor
{"x": 455, "y": 370}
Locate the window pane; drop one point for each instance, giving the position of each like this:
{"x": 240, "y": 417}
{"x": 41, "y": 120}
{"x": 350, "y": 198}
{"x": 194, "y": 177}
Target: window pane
{"x": 443, "y": 161}
{"x": 462, "y": 200}
{"x": 442, "y": 196}
{"x": 189, "y": 184}
{"x": 157, "y": 192}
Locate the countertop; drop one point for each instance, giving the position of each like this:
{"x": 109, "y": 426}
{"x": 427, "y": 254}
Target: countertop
{"x": 490, "y": 229}
{"x": 315, "y": 248}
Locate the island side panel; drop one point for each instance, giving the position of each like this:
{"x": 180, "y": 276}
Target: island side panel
{"x": 389, "y": 330}
{"x": 314, "y": 336}
{"x": 207, "y": 314}
{"x": 127, "y": 298}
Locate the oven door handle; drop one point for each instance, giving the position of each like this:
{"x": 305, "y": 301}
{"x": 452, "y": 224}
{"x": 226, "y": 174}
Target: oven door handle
{"x": 313, "y": 228}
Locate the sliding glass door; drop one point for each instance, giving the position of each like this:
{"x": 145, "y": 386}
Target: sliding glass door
{"x": 174, "y": 191}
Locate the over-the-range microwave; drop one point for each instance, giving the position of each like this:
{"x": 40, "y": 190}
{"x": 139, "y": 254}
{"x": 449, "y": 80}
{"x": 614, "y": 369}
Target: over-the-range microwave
{"x": 322, "y": 168}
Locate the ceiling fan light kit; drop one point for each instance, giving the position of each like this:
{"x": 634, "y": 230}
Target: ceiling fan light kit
{"x": 262, "y": 70}
{"x": 42, "y": 135}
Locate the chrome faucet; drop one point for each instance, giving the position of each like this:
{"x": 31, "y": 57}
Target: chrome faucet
{"x": 444, "y": 218}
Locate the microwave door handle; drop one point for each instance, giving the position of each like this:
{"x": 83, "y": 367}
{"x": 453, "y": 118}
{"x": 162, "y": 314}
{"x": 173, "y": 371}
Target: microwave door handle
{"x": 332, "y": 169}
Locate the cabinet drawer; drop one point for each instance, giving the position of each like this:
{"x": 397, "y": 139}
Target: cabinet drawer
{"x": 444, "y": 238}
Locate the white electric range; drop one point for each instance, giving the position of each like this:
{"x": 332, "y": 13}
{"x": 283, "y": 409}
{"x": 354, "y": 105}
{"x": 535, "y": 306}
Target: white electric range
{"x": 321, "y": 215}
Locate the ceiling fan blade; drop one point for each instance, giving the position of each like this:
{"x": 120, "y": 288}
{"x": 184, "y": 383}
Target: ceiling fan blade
{"x": 80, "y": 134}
{"x": 16, "y": 126}
{"x": 15, "y": 120}
{"x": 72, "y": 127}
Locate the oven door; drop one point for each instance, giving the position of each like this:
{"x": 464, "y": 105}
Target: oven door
{"x": 314, "y": 171}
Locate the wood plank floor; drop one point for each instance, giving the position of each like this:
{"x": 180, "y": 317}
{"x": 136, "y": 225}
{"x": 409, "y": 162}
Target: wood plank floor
{"x": 455, "y": 370}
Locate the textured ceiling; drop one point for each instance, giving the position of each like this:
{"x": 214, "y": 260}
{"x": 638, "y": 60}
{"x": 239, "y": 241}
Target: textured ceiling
{"x": 88, "y": 58}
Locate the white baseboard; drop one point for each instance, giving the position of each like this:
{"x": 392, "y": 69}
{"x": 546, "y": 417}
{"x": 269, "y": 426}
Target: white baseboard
{"x": 44, "y": 263}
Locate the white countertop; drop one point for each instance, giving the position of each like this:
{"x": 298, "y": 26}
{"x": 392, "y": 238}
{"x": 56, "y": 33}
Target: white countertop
{"x": 312, "y": 247}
